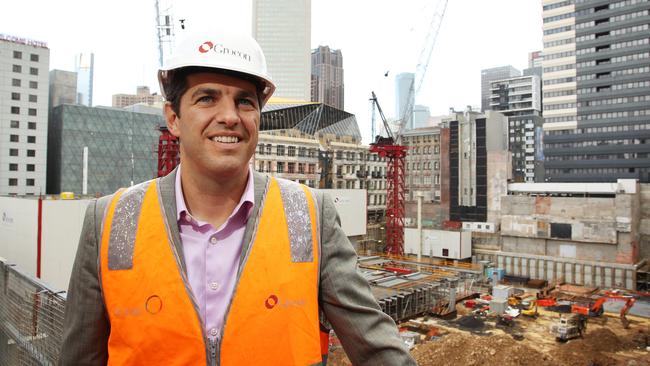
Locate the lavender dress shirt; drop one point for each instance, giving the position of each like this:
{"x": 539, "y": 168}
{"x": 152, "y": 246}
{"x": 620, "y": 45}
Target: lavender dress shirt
{"x": 212, "y": 255}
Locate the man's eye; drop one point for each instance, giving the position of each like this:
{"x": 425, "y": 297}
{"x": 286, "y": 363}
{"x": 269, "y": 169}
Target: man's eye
{"x": 205, "y": 99}
{"x": 246, "y": 101}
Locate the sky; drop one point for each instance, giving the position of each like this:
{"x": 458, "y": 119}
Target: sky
{"x": 375, "y": 37}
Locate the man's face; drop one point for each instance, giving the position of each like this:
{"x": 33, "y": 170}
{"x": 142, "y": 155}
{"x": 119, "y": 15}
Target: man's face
{"x": 218, "y": 122}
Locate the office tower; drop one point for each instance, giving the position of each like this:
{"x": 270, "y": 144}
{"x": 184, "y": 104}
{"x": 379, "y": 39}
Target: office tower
{"x": 97, "y": 150}
{"x": 494, "y": 74}
{"x": 519, "y": 99}
{"x": 85, "y": 67}
{"x": 63, "y": 88}
{"x": 283, "y": 30}
{"x": 534, "y": 64}
{"x": 403, "y": 83}
{"x": 421, "y": 115}
{"x": 327, "y": 76}
{"x": 143, "y": 95}
{"x": 24, "y": 65}
{"x": 596, "y": 90}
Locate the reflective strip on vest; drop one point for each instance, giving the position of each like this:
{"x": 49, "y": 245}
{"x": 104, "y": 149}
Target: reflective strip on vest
{"x": 273, "y": 317}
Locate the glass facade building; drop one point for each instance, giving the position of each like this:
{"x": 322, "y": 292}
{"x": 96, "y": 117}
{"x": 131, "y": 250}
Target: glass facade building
{"x": 596, "y": 90}
{"x": 120, "y": 148}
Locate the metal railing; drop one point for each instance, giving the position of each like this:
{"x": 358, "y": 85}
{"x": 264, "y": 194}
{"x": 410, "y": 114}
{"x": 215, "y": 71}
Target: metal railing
{"x": 31, "y": 319}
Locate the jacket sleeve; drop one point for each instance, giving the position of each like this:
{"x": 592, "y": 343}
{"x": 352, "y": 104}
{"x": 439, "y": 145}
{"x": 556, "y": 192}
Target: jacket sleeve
{"x": 368, "y": 336}
{"x": 86, "y": 326}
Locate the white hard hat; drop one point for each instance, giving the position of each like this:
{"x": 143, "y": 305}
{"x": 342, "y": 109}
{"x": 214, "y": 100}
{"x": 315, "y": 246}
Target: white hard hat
{"x": 224, "y": 50}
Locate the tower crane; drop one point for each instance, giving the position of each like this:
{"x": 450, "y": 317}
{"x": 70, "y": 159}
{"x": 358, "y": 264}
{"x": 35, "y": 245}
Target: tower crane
{"x": 395, "y": 153}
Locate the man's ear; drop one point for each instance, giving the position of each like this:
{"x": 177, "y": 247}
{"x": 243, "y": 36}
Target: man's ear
{"x": 172, "y": 119}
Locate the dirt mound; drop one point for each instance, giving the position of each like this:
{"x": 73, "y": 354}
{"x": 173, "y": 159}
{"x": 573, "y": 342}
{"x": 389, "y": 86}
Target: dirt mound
{"x": 595, "y": 348}
{"x": 463, "y": 349}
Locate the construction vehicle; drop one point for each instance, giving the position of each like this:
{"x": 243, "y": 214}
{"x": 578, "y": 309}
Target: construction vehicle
{"x": 569, "y": 326}
{"x": 597, "y": 309}
{"x": 529, "y": 308}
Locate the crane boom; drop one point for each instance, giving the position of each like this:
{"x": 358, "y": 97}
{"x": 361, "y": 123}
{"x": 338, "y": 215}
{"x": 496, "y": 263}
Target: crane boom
{"x": 421, "y": 68}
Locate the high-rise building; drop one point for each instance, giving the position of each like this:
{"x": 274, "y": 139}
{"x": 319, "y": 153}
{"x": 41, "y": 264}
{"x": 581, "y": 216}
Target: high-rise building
{"x": 283, "y": 30}
{"x": 85, "y": 67}
{"x": 519, "y": 99}
{"x": 63, "y": 88}
{"x": 596, "y": 89}
{"x": 327, "y": 76}
{"x": 403, "y": 83}
{"x": 494, "y": 74}
{"x": 421, "y": 115}
{"x": 97, "y": 150}
{"x": 535, "y": 59}
{"x": 143, "y": 95}
{"x": 24, "y": 66}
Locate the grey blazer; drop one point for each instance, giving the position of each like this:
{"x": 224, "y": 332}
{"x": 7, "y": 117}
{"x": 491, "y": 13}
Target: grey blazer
{"x": 368, "y": 336}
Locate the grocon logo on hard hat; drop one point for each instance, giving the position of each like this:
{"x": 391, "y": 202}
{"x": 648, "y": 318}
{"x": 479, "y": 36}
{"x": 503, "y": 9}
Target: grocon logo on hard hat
{"x": 208, "y": 46}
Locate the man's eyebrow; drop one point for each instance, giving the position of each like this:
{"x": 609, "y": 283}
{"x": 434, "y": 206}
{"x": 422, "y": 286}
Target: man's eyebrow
{"x": 246, "y": 94}
{"x": 205, "y": 91}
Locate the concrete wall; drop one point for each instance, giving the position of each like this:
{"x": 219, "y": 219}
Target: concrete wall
{"x": 458, "y": 243}
{"x": 550, "y": 268}
{"x": 644, "y": 224}
{"x": 18, "y": 232}
{"x": 61, "y": 226}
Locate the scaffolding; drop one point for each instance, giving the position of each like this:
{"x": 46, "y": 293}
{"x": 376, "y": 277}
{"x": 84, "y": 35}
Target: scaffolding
{"x": 31, "y": 319}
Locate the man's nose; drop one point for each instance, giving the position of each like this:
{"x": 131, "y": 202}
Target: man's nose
{"x": 228, "y": 113}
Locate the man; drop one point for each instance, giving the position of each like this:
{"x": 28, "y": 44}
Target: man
{"x": 215, "y": 263}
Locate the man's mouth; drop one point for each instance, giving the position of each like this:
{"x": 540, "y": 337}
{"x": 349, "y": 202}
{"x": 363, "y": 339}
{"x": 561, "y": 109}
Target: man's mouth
{"x": 226, "y": 139}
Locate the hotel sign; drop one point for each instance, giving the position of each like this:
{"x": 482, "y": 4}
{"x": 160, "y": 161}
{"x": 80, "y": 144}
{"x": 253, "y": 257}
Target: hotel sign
{"x": 25, "y": 41}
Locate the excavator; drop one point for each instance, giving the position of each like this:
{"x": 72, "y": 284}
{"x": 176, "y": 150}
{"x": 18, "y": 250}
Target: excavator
{"x": 597, "y": 308}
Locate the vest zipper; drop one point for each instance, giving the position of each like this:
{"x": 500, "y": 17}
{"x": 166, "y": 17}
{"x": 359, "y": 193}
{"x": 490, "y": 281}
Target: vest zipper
{"x": 213, "y": 350}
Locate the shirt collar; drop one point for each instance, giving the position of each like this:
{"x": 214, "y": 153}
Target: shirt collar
{"x": 247, "y": 197}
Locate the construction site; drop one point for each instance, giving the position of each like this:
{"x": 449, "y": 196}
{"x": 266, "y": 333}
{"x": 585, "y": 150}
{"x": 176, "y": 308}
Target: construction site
{"x": 475, "y": 265}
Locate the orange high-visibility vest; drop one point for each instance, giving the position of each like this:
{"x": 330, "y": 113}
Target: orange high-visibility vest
{"x": 273, "y": 316}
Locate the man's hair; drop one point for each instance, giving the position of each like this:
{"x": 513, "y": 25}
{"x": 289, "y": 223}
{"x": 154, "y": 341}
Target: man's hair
{"x": 177, "y": 85}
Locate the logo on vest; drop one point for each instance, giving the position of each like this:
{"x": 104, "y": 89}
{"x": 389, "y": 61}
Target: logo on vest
{"x": 273, "y": 301}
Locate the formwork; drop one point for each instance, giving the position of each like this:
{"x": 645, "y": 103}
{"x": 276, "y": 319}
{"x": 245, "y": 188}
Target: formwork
{"x": 406, "y": 289}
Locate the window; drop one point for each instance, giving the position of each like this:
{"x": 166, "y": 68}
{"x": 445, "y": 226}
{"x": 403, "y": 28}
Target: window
{"x": 33, "y": 71}
{"x": 33, "y": 98}
{"x": 14, "y": 124}
{"x": 31, "y": 167}
{"x": 31, "y": 125}
{"x": 15, "y": 96}
{"x": 33, "y": 85}
{"x": 17, "y": 68}
{"x": 18, "y": 55}
{"x": 13, "y": 152}
{"x": 15, "y": 110}
{"x": 291, "y": 151}
{"x": 13, "y": 182}
{"x": 13, "y": 138}
{"x": 31, "y": 139}
{"x": 15, "y": 82}
{"x": 29, "y": 182}
{"x": 31, "y": 153}
{"x": 280, "y": 150}
{"x": 291, "y": 167}
{"x": 33, "y": 57}
{"x": 445, "y": 252}
{"x": 13, "y": 167}
{"x": 280, "y": 167}
{"x": 31, "y": 111}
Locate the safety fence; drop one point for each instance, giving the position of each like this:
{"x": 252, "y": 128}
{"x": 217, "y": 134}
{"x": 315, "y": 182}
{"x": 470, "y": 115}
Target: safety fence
{"x": 31, "y": 319}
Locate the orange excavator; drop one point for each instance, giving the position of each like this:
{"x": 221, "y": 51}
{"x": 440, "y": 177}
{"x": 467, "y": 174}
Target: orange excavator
{"x": 597, "y": 308}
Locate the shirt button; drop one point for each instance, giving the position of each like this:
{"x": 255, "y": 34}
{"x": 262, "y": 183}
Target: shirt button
{"x": 214, "y": 286}
{"x": 213, "y": 240}
{"x": 214, "y": 332}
